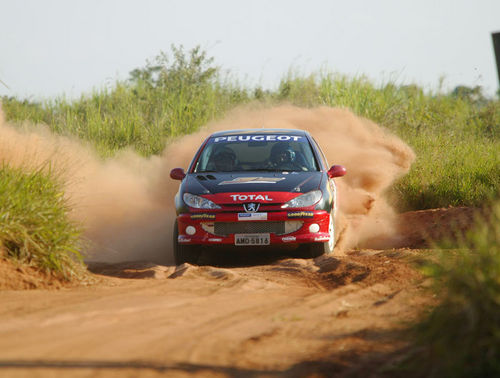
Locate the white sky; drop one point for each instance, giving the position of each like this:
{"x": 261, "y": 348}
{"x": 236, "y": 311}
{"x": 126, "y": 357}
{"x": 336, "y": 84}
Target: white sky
{"x": 50, "y": 48}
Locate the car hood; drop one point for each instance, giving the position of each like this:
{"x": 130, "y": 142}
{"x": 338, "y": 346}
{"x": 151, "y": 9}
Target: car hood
{"x": 230, "y": 182}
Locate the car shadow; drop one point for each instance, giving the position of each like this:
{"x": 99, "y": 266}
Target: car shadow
{"x": 241, "y": 257}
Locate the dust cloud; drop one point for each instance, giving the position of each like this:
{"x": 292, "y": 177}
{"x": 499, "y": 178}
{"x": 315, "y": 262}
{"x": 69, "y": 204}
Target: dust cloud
{"x": 125, "y": 203}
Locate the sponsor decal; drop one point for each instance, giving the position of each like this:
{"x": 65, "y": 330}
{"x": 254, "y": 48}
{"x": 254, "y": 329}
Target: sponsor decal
{"x": 203, "y": 216}
{"x": 252, "y": 180}
{"x": 257, "y": 138}
{"x": 251, "y": 197}
{"x": 252, "y": 216}
{"x": 183, "y": 239}
{"x": 288, "y": 239}
{"x": 251, "y": 207}
{"x": 301, "y": 214}
{"x": 322, "y": 238}
{"x": 215, "y": 240}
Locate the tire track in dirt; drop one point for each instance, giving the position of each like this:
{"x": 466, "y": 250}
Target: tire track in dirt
{"x": 255, "y": 320}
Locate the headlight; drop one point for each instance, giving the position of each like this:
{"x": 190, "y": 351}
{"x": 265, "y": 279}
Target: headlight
{"x": 304, "y": 200}
{"x": 199, "y": 202}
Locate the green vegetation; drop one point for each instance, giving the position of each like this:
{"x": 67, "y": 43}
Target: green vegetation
{"x": 34, "y": 224}
{"x": 456, "y": 135}
{"x": 461, "y": 336}
{"x": 160, "y": 101}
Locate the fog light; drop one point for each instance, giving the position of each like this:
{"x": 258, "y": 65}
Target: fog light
{"x": 314, "y": 228}
{"x": 190, "y": 230}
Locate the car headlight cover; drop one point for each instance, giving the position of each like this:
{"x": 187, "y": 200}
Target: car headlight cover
{"x": 199, "y": 202}
{"x": 304, "y": 200}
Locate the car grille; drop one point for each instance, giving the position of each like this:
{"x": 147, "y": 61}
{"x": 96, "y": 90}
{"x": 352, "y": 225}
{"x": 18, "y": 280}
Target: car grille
{"x": 227, "y": 228}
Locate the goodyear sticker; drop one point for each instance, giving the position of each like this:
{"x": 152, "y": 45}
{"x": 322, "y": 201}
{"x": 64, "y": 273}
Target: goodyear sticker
{"x": 203, "y": 216}
{"x": 301, "y": 214}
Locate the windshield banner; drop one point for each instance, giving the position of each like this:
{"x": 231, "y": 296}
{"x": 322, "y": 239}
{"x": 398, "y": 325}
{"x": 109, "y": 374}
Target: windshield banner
{"x": 257, "y": 138}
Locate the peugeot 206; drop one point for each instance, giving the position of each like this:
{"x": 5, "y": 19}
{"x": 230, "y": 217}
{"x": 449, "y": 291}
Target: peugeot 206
{"x": 260, "y": 187}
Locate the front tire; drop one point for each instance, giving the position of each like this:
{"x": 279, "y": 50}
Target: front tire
{"x": 312, "y": 250}
{"x": 184, "y": 253}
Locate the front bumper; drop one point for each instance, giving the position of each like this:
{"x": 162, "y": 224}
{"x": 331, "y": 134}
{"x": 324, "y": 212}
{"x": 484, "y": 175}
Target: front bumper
{"x": 201, "y": 222}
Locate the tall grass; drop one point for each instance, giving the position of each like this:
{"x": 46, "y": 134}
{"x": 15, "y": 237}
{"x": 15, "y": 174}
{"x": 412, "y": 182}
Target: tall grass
{"x": 456, "y": 135}
{"x": 35, "y": 228}
{"x": 461, "y": 336}
{"x": 170, "y": 96}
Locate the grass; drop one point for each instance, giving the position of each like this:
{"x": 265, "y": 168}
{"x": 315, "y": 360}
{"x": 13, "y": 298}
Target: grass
{"x": 35, "y": 227}
{"x": 461, "y": 336}
{"x": 456, "y": 135}
{"x": 456, "y": 139}
{"x": 160, "y": 101}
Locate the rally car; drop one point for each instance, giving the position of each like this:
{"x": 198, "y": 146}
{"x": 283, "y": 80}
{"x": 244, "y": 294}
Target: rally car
{"x": 256, "y": 188}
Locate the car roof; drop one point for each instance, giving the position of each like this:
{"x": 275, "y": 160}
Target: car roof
{"x": 260, "y": 131}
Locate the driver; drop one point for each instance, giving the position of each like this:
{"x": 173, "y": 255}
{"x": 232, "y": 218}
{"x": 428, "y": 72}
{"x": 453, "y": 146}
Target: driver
{"x": 283, "y": 157}
{"x": 224, "y": 159}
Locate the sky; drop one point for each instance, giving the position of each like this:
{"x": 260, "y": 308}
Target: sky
{"x": 53, "y": 48}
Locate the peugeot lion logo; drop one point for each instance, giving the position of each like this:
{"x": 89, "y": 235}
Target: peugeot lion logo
{"x": 251, "y": 207}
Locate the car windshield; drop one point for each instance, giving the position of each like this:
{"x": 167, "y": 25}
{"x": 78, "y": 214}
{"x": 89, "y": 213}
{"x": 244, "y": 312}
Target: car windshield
{"x": 257, "y": 152}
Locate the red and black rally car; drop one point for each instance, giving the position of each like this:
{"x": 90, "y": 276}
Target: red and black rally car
{"x": 255, "y": 188}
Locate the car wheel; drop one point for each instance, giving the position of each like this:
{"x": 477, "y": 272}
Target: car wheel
{"x": 318, "y": 249}
{"x": 184, "y": 253}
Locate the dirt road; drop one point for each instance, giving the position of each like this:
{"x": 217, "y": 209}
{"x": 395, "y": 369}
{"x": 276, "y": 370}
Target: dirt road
{"x": 329, "y": 316}
{"x": 261, "y": 316}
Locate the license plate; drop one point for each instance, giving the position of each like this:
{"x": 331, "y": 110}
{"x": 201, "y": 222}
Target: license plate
{"x": 251, "y": 239}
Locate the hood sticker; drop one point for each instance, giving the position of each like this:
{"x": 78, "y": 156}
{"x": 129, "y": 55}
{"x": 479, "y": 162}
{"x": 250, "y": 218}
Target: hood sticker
{"x": 252, "y": 180}
{"x": 251, "y": 197}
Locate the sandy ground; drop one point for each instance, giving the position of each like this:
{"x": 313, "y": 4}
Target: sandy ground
{"x": 263, "y": 317}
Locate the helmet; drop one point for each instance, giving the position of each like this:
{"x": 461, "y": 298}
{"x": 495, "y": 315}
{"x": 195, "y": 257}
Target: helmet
{"x": 282, "y": 153}
{"x": 224, "y": 159}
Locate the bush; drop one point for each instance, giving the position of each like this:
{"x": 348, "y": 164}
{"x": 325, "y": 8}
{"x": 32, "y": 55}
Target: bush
{"x": 174, "y": 94}
{"x": 35, "y": 226}
{"x": 461, "y": 336}
{"x": 456, "y": 136}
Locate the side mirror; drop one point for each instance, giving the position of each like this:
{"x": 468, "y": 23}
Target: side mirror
{"x": 336, "y": 171}
{"x": 177, "y": 174}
